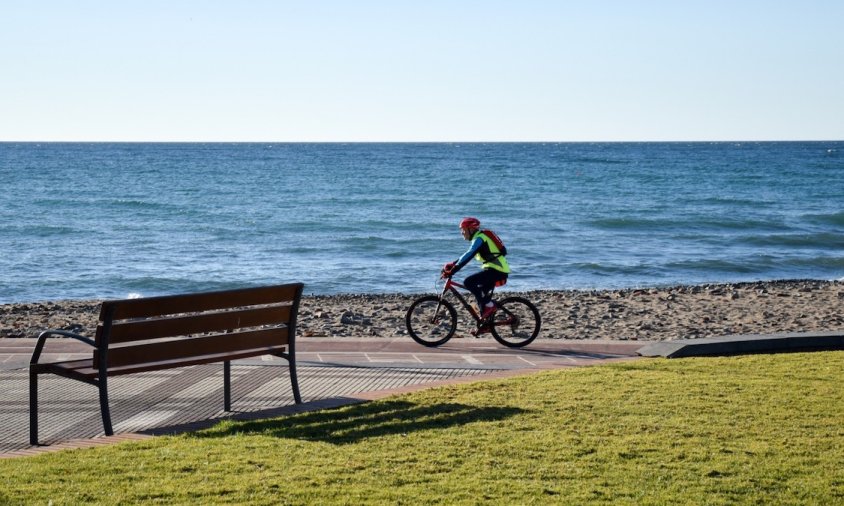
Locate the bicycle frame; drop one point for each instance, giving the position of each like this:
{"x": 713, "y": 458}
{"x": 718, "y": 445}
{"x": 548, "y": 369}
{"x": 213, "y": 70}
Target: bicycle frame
{"x": 449, "y": 286}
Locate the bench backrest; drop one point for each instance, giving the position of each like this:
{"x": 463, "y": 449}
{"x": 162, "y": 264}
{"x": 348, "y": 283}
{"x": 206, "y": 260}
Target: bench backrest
{"x": 174, "y": 327}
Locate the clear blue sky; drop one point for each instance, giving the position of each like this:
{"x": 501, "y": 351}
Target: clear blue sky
{"x": 182, "y": 70}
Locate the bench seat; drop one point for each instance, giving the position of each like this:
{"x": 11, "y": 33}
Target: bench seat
{"x": 141, "y": 335}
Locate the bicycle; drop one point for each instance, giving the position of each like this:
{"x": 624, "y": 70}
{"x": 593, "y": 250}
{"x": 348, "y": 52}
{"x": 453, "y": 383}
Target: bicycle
{"x": 432, "y": 320}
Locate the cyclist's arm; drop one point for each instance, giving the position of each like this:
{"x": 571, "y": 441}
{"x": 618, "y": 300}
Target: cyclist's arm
{"x": 465, "y": 258}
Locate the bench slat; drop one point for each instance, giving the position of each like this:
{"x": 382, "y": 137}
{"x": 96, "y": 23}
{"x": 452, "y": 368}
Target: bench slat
{"x": 198, "y": 302}
{"x": 85, "y": 368}
{"x": 70, "y": 368}
{"x": 179, "y": 349}
{"x": 172, "y": 326}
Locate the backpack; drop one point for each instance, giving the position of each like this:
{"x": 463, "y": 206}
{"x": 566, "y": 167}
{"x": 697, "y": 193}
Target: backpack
{"x": 497, "y": 240}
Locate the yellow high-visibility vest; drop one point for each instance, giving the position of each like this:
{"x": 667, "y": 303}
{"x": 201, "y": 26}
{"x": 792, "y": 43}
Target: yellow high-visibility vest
{"x": 496, "y": 261}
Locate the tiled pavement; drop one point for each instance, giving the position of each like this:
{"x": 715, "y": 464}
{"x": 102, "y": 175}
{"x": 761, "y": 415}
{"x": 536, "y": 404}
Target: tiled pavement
{"x": 332, "y": 372}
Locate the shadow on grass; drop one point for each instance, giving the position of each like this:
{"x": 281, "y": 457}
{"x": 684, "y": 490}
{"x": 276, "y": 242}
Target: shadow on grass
{"x": 362, "y": 421}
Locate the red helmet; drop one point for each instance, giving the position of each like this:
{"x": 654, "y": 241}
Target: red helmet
{"x": 470, "y": 223}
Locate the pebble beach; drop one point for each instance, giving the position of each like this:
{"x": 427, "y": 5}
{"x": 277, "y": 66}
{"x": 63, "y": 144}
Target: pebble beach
{"x": 640, "y": 314}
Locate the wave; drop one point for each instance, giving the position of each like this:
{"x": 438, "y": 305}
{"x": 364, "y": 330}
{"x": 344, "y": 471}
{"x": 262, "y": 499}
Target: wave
{"x": 713, "y": 265}
{"x": 38, "y": 231}
{"x": 133, "y": 203}
{"x": 820, "y": 240}
{"x": 614, "y": 269}
{"x": 836, "y": 219}
{"x": 705, "y": 268}
{"x": 596, "y": 161}
{"x": 684, "y": 224}
{"x": 819, "y": 262}
{"x": 768, "y": 266}
{"x": 720, "y": 201}
{"x": 145, "y": 286}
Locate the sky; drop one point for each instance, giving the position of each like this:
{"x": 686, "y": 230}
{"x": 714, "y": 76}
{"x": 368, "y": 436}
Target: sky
{"x": 421, "y": 71}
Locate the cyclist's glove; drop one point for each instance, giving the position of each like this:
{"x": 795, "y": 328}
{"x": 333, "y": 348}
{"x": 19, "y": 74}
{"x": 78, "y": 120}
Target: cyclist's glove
{"x": 448, "y": 270}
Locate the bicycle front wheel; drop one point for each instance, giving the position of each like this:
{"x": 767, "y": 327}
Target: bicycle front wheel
{"x": 516, "y": 323}
{"x": 431, "y": 321}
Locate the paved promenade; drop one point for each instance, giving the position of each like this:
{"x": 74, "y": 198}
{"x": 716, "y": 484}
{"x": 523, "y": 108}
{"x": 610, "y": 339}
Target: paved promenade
{"x": 332, "y": 372}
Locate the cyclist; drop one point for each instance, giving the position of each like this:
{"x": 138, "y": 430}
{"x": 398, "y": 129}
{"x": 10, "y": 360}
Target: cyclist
{"x": 494, "y": 265}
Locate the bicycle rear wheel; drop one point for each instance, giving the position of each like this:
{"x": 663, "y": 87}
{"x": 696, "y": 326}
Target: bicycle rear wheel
{"x": 516, "y": 323}
{"x": 431, "y": 321}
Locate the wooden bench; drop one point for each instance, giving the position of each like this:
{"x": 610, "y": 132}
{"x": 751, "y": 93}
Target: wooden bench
{"x": 149, "y": 334}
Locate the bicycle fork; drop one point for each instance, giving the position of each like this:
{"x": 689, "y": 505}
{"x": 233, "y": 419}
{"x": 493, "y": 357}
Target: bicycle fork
{"x": 436, "y": 318}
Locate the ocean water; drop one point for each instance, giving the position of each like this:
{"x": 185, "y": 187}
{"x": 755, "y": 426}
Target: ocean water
{"x": 110, "y": 220}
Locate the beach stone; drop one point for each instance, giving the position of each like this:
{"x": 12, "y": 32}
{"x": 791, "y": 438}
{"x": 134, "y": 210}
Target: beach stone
{"x": 641, "y": 313}
{"x": 349, "y": 317}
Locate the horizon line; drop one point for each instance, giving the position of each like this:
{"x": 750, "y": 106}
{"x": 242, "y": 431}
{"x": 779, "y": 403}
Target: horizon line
{"x": 694, "y": 141}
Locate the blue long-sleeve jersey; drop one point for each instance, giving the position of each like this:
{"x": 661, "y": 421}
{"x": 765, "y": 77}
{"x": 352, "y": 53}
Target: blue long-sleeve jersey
{"x": 474, "y": 247}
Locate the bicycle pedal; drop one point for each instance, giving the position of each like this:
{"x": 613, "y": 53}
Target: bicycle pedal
{"x": 480, "y": 330}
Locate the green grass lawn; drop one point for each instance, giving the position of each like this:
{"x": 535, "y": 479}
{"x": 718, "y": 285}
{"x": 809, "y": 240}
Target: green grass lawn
{"x": 763, "y": 429}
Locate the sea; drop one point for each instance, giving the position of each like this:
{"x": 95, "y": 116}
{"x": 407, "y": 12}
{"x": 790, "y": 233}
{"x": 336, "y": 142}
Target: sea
{"x": 122, "y": 220}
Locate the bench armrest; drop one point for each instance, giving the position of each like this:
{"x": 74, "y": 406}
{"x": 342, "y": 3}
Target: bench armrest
{"x": 42, "y": 339}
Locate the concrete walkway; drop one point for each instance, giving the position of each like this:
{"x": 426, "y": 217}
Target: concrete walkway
{"x": 332, "y": 372}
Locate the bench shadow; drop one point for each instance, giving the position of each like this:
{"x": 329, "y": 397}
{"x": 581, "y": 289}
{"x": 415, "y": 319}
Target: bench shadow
{"x": 358, "y": 422}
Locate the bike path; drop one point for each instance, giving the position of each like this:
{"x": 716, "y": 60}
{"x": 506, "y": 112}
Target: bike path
{"x": 381, "y": 352}
{"x": 332, "y": 372}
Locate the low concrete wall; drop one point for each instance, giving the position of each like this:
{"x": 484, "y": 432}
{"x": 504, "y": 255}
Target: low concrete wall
{"x": 745, "y": 344}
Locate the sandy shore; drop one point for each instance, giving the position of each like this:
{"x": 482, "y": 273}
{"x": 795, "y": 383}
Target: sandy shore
{"x": 649, "y": 314}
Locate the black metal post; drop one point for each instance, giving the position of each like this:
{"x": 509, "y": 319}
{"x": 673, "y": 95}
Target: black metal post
{"x": 104, "y": 409}
{"x": 33, "y": 407}
{"x": 227, "y": 386}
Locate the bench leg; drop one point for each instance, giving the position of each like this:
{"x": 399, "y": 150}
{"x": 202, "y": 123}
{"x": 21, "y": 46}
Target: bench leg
{"x": 227, "y": 386}
{"x": 103, "y": 385}
{"x": 33, "y": 407}
{"x": 294, "y": 382}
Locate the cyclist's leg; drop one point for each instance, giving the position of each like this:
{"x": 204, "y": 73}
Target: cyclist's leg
{"x": 482, "y": 284}
{"x": 493, "y": 279}
{"x": 475, "y": 284}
